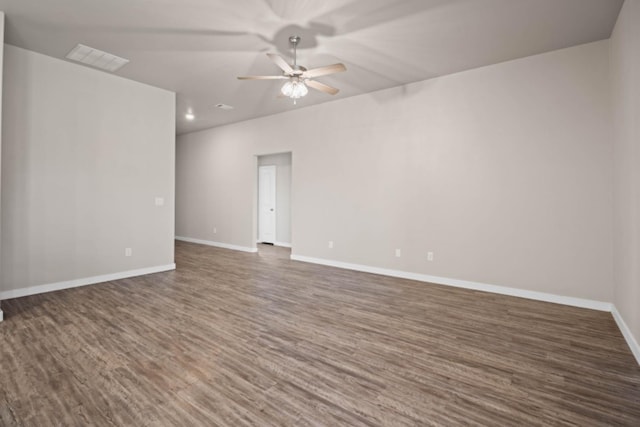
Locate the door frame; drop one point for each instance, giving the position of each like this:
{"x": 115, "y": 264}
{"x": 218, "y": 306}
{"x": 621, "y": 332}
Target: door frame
{"x": 254, "y": 219}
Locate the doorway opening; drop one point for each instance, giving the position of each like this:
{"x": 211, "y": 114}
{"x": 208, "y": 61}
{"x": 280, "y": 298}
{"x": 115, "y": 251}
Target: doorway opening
{"x": 274, "y": 202}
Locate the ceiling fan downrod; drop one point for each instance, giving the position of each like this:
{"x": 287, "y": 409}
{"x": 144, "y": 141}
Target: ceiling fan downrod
{"x": 294, "y": 40}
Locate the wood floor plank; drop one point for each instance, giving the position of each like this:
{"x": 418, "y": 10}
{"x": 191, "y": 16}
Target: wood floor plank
{"x": 235, "y": 339}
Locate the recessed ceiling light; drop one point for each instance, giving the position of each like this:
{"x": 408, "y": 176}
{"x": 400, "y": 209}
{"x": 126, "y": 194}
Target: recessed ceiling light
{"x": 224, "y": 107}
{"x": 189, "y": 116}
{"x": 96, "y": 58}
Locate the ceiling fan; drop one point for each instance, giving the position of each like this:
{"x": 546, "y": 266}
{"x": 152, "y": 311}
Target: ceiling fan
{"x": 297, "y": 76}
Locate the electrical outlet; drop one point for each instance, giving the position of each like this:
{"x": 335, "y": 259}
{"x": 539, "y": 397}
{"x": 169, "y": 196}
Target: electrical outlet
{"x": 429, "y": 256}
{"x": 128, "y": 252}
{"x": 330, "y": 244}
{"x": 398, "y": 253}
{"x": 215, "y": 230}
{"x": 159, "y": 201}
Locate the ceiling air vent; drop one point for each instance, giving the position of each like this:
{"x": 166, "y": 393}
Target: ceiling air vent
{"x": 96, "y": 58}
{"x": 224, "y": 107}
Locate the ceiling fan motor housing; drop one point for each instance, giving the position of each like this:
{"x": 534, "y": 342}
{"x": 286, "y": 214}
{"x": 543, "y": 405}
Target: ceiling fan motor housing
{"x": 298, "y": 69}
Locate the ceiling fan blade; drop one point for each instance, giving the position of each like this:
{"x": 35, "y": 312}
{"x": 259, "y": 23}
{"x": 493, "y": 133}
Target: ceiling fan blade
{"x": 323, "y": 71}
{"x": 321, "y": 87}
{"x": 262, "y": 77}
{"x": 280, "y": 62}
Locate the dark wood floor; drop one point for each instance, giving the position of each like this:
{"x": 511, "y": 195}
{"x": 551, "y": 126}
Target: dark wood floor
{"x": 231, "y": 338}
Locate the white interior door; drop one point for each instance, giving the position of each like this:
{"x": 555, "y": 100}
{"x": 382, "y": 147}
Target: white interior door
{"x": 267, "y": 204}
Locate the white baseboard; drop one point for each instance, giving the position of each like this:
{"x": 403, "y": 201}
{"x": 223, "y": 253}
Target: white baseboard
{"x": 50, "y": 287}
{"x": 217, "y": 244}
{"x": 626, "y": 333}
{"x": 1, "y": 316}
{"x": 503, "y": 290}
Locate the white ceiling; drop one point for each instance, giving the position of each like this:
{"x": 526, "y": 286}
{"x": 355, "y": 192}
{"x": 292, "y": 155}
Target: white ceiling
{"x": 198, "y": 47}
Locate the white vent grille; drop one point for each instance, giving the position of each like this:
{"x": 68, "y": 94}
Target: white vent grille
{"x": 96, "y": 58}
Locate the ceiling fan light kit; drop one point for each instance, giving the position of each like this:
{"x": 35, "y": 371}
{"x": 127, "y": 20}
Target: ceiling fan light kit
{"x": 299, "y": 79}
{"x": 294, "y": 89}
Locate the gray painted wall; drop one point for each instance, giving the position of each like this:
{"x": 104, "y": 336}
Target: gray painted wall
{"x": 625, "y": 60}
{"x": 504, "y": 172}
{"x": 85, "y": 154}
{"x": 282, "y": 162}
